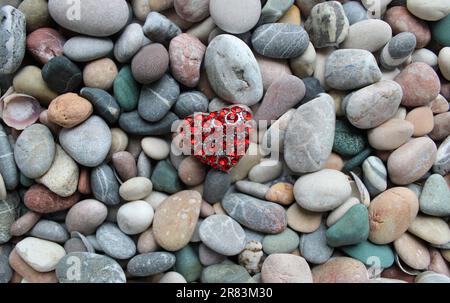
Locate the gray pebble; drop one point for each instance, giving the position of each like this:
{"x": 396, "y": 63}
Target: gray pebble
{"x": 133, "y": 124}
{"x": 129, "y": 43}
{"x": 157, "y": 98}
{"x": 314, "y": 248}
{"x": 273, "y": 10}
{"x": 225, "y": 273}
{"x": 251, "y": 235}
{"x": 208, "y": 256}
{"x": 114, "y": 242}
{"x": 160, "y": 29}
{"x": 254, "y": 189}
{"x": 104, "y": 104}
{"x": 74, "y": 245}
{"x": 313, "y": 89}
{"x": 215, "y": 186}
{"x": 84, "y": 48}
{"x": 191, "y": 102}
{"x": 355, "y": 12}
{"x": 435, "y": 197}
{"x": 8, "y": 168}
{"x": 374, "y": 175}
{"x": 144, "y": 166}
{"x": 5, "y": 270}
{"x": 50, "y": 230}
{"x": 12, "y": 39}
{"x": 398, "y": 50}
{"x": 8, "y": 213}
{"x": 282, "y": 243}
{"x": 104, "y": 185}
{"x": 150, "y": 264}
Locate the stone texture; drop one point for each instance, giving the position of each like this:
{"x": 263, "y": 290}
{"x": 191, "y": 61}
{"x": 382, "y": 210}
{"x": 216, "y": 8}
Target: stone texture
{"x": 390, "y": 135}
{"x": 12, "y": 49}
{"x": 114, "y": 242}
{"x": 104, "y": 185}
{"x": 40, "y": 199}
{"x": 62, "y": 75}
{"x": 341, "y": 270}
{"x": 159, "y": 28}
{"x": 45, "y": 43}
{"x": 285, "y": 268}
{"x": 150, "y": 63}
{"x": 85, "y": 48}
{"x": 235, "y": 17}
{"x": 104, "y": 104}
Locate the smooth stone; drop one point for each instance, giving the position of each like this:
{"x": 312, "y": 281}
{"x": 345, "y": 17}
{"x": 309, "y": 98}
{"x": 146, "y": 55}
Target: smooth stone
{"x": 34, "y": 151}
{"x": 304, "y": 65}
{"x": 191, "y": 171}
{"x": 104, "y": 185}
{"x": 443, "y": 61}
{"x": 129, "y": 43}
{"x": 391, "y": 213}
{"x": 135, "y": 189}
{"x": 75, "y": 245}
{"x": 284, "y": 242}
{"x": 431, "y": 229}
{"x": 273, "y": 10}
{"x": 104, "y": 104}
{"x": 256, "y": 214}
{"x": 90, "y": 17}
{"x": 93, "y": 268}
{"x": 441, "y": 128}
{"x": 370, "y": 35}
{"x": 355, "y": 12}
{"x": 126, "y": 89}
{"x": 172, "y": 277}
{"x": 189, "y": 103}
{"x": 411, "y": 161}
{"x": 188, "y": 264}
{"x": 265, "y": 171}
{"x": 225, "y": 273}
{"x": 62, "y": 75}
{"x": 40, "y": 199}
{"x": 114, "y": 242}
{"x": 6, "y": 271}
{"x": 125, "y": 165}
{"x": 322, "y": 191}
{"x": 160, "y": 29}
{"x": 280, "y": 40}
{"x": 215, "y": 186}
{"x": 250, "y": 159}
{"x": 182, "y": 208}
{"x": 192, "y": 11}
{"x": 69, "y": 110}
{"x": 327, "y": 24}
{"x": 62, "y": 177}
{"x": 223, "y": 235}
{"x": 186, "y": 55}
{"x": 371, "y": 254}
{"x": 272, "y": 69}
{"x": 285, "y": 268}
{"x": 135, "y": 217}
{"x": 429, "y": 11}
{"x": 157, "y": 99}
{"x": 145, "y": 265}
{"x": 24, "y": 270}
{"x": 8, "y": 168}
{"x": 341, "y": 270}
{"x": 282, "y": 95}
{"x": 86, "y": 216}
{"x": 302, "y": 220}
{"x": 313, "y": 246}
{"x": 100, "y": 73}
{"x": 313, "y": 89}
{"x": 420, "y": 84}
{"x": 29, "y": 81}
{"x": 252, "y": 188}
{"x": 352, "y": 228}
{"x": 426, "y": 56}
{"x": 49, "y": 230}
{"x": 88, "y": 143}
{"x": 235, "y": 76}
{"x": 442, "y": 163}
{"x": 374, "y": 175}
{"x": 440, "y": 31}
{"x": 235, "y": 16}
{"x": 390, "y": 135}
{"x": 165, "y": 178}
{"x": 435, "y": 197}
{"x": 209, "y": 257}
{"x": 281, "y": 193}
{"x": 133, "y": 124}
{"x": 146, "y": 242}
{"x": 13, "y": 41}
{"x": 348, "y": 69}
{"x": 373, "y": 105}
{"x": 150, "y": 63}
{"x": 41, "y": 255}
{"x": 36, "y": 14}
{"x": 24, "y": 223}
{"x": 45, "y": 43}
{"x": 8, "y": 213}
{"x": 144, "y": 166}
{"x": 412, "y": 251}
{"x": 316, "y": 119}
{"x": 85, "y": 48}
{"x": 348, "y": 140}
{"x": 432, "y": 277}
{"x": 398, "y": 50}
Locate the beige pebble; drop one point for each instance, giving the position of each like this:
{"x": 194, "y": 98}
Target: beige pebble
{"x": 155, "y": 148}
{"x": 439, "y": 105}
{"x": 147, "y": 243}
{"x": 339, "y": 212}
{"x": 100, "y": 73}
{"x": 302, "y": 220}
{"x": 334, "y": 162}
{"x": 304, "y": 65}
{"x": 444, "y": 62}
{"x": 438, "y": 263}
{"x": 281, "y": 193}
{"x": 218, "y": 209}
{"x": 431, "y": 229}
{"x": 191, "y": 171}
{"x": 206, "y": 209}
{"x": 341, "y": 270}
{"x": 391, "y": 134}
{"x": 412, "y": 251}
{"x": 119, "y": 141}
{"x": 422, "y": 119}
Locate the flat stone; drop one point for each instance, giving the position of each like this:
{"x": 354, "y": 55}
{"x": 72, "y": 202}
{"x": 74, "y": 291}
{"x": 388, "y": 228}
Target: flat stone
{"x": 135, "y": 217}
{"x": 252, "y": 188}
{"x": 391, "y": 134}
{"x": 129, "y": 42}
{"x": 380, "y": 34}
{"x": 188, "y": 264}
{"x": 175, "y": 220}
{"x": 125, "y": 165}
{"x": 235, "y": 16}
{"x": 114, "y": 242}
{"x": 285, "y": 268}
{"x": 49, "y": 230}
{"x": 431, "y": 229}
{"x": 104, "y": 104}
{"x": 435, "y": 197}
{"x": 256, "y": 214}
{"x": 24, "y": 223}
{"x": 160, "y": 29}
{"x": 352, "y": 228}
{"x": 433, "y": 11}
{"x": 41, "y": 255}
{"x": 165, "y": 178}
{"x": 40, "y": 199}
{"x": 303, "y": 151}
{"x": 34, "y": 151}
{"x": 374, "y": 175}
{"x": 225, "y": 273}
{"x": 314, "y": 248}
{"x": 62, "y": 75}
{"x": 215, "y": 186}
{"x": 235, "y": 75}
{"x": 133, "y": 124}
{"x": 12, "y": 49}
{"x": 341, "y": 270}
{"x": 284, "y": 242}
{"x": 86, "y": 216}
{"x": 280, "y": 40}
{"x": 94, "y": 268}
{"x": 126, "y": 89}
{"x": 371, "y": 254}
{"x": 189, "y": 103}
{"x": 302, "y": 220}
{"x": 223, "y": 235}
{"x": 413, "y": 251}
{"x": 104, "y": 185}
{"x": 88, "y": 143}
{"x": 322, "y": 191}
{"x": 85, "y": 49}
{"x": 150, "y": 264}
{"x": 136, "y": 189}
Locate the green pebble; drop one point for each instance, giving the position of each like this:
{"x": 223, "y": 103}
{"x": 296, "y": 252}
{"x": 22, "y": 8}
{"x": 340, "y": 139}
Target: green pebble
{"x": 225, "y": 273}
{"x": 348, "y": 141}
{"x": 188, "y": 264}
{"x": 165, "y": 178}
{"x": 352, "y": 228}
{"x": 25, "y": 181}
{"x": 285, "y": 242}
{"x": 435, "y": 197}
{"x": 441, "y": 31}
{"x": 358, "y": 159}
{"x": 126, "y": 89}
{"x": 371, "y": 254}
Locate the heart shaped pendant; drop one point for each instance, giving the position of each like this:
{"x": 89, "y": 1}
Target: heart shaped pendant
{"x": 218, "y": 139}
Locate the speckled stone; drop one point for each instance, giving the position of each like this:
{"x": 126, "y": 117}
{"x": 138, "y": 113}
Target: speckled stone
{"x": 145, "y": 265}
{"x": 93, "y": 269}
{"x": 104, "y": 104}
{"x": 398, "y": 50}
{"x": 8, "y": 213}
{"x": 314, "y": 247}
{"x": 435, "y": 197}
{"x": 40, "y": 199}
{"x": 12, "y": 45}
{"x": 348, "y": 140}
{"x": 327, "y": 24}
{"x": 104, "y": 185}
{"x": 258, "y": 215}
{"x": 114, "y": 242}
{"x": 157, "y": 99}
{"x": 280, "y": 40}
{"x": 304, "y": 151}
{"x": 235, "y": 76}
{"x": 371, "y": 254}
{"x": 284, "y": 242}
{"x": 150, "y": 63}
{"x": 189, "y": 103}
{"x": 348, "y": 69}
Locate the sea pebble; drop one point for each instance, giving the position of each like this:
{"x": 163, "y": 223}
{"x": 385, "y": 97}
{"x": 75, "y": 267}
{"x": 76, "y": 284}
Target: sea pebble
{"x": 235, "y": 16}
{"x": 41, "y": 255}
{"x": 375, "y": 175}
{"x": 440, "y": 32}
{"x": 49, "y": 230}
{"x": 398, "y": 50}
{"x": 85, "y": 48}
{"x": 126, "y": 89}
{"x": 29, "y": 81}
{"x": 188, "y": 264}
{"x": 165, "y": 178}
{"x": 443, "y": 61}
{"x": 69, "y": 110}
{"x": 150, "y": 63}
{"x": 341, "y": 270}
{"x": 302, "y": 220}
{"x": 370, "y": 35}
{"x": 129, "y": 42}
{"x": 215, "y": 186}
{"x": 40, "y": 199}
{"x": 8, "y": 213}
{"x": 86, "y": 216}
{"x": 314, "y": 248}
{"x": 376, "y": 256}
{"x": 104, "y": 185}
{"x": 12, "y": 49}
{"x": 429, "y": 11}
{"x": 114, "y": 242}
{"x": 135, "y": 189}
{"x": 225, "y": 273}
{"x": 104, "y": 104}
{"x": 45, "y": 43}
{"x": 135, "y": 217}
{"x": 412, "y": 251}
{"x": 442, "y": 163}
{"x": 189, "y": 103}
{"x": 431, "y": 229}
{"x": 391, "y": 134}
{"x": 62, "y": 75}
{"x": 284, "y": 242}
{"x": 285, "y": 268}
{"x": 160, "y": 29}
{"x": 145, "y": 265}
{"x": 355, "y": 12}
{"x": 273, "y": 10}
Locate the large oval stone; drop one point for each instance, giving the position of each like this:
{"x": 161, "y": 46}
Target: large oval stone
{"x": 114, "y": 242}
{"x": 233, "y": 71}
{"x": 310, "y": 135}
{"x": 13, "y": 39}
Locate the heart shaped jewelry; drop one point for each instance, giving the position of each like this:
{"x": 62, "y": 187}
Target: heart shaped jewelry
{"x": 218, "y": 139}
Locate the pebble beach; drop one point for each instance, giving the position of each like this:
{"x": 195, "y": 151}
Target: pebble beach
{"x": 337, "y": 113}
